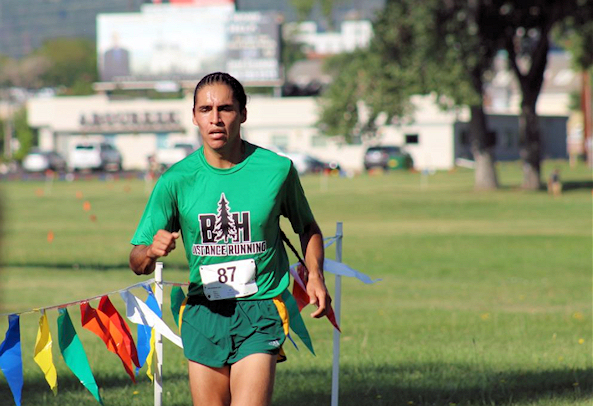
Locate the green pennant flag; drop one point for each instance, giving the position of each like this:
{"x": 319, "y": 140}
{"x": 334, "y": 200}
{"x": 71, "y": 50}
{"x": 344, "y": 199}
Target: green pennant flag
{"x": 295, "y": 321}
{"x": 177, "y": 298}
{"x": 74, "y": 354}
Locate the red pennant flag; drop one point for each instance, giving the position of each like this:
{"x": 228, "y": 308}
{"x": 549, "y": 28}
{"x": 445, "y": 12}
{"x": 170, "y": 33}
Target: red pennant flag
{"x": 118, "y": 321}
{"x": 299, "y": 292}
{"x": 302, "y": 298}
{"x": 100, "y": 324}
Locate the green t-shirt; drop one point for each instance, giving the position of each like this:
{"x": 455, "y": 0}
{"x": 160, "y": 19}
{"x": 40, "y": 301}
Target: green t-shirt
{"x": 230, "y": 214}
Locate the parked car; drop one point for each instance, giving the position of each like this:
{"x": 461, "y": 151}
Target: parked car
{"x": 305, "y": 163}
{"x": 387, "y": 157}
{"x": 95, "y": 155}
{"x": 41, "y": 161}
{"x": 168, "y": 156}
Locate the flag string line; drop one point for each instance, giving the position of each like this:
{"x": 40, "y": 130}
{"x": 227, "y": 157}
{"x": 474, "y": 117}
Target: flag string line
{"x": 39, "y": 309}
{"x": 175, "y": 283}
{"x": 328, "y": 240}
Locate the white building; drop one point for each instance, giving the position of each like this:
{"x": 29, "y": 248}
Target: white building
{"x": 353, "y": 34}
{"x": 140, "y": 127}
{"x": 436, "y": 138}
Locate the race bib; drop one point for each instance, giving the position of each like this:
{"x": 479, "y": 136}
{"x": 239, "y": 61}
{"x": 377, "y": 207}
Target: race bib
{"x": 229, "y": 279}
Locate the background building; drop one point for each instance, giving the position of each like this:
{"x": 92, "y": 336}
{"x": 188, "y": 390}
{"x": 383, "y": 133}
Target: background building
{"x": 25, "y": 25}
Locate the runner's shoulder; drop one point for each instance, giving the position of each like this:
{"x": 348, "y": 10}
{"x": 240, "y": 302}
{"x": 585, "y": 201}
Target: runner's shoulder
{"x": 272, "y": 158}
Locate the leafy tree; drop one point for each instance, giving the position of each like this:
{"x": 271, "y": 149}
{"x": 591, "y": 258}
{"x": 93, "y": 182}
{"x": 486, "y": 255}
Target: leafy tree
{"x": 69, "y": 64}
{"x": 72, "y": 64}
{"x": 291, "y": 50}
{"x": 575, "y": 35}
{"x": 304, "y": 8}
{"x": 526, "y": 28}
{"x": 440, "y": 48}
{"x": 447, "y": 47}
{"x": 23, "y": 133}
{"x": 26, "y": 72}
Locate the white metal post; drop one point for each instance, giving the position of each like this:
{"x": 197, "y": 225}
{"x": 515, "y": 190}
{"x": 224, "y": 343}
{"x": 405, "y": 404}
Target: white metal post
{"x": 336, "y": 338}
{"x": 157, "y": 379}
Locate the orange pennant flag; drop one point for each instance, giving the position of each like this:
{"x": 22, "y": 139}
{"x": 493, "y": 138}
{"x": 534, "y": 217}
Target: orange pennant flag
{"x": 99, "y": 323}
{"x": 118, "y": 321}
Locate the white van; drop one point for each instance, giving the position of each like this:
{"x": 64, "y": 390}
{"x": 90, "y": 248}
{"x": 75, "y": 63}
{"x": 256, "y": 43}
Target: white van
{"x": 95, "y": 155}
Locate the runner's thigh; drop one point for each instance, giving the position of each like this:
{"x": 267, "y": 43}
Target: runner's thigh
{"x": 208, "y": 385}
{"x": 252, "y": 380}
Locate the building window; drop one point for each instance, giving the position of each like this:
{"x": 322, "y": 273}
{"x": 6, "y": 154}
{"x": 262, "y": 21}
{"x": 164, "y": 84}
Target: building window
{"x": 412, "y": 138}
{"x": 509, "y": 138}
{"x": 318, "y": 141}
{"x": 491, "y": 138}
{"x": 464, "y": 137}
{"x": 280, "y": 140}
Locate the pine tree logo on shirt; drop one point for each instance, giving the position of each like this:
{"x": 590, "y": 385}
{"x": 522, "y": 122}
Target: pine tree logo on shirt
{"x": 226, "y": 233}
{"x": 224, "y": 225}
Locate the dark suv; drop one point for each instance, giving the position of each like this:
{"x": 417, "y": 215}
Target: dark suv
{"x": 387, "y": 157}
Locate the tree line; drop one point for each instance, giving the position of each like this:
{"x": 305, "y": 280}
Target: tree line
{"x": 447, "y": 48}
{"x": 66, "y": 64}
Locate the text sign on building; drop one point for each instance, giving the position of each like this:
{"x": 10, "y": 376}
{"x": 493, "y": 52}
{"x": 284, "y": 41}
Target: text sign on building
{"x": 253, "y": 48}
{"x": 131, "y": 121}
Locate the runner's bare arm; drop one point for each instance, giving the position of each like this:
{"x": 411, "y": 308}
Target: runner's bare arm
{"x": 312, "y": 245}
{"x": 144, "y": 257}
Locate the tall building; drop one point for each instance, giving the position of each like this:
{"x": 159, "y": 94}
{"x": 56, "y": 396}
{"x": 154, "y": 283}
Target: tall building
{"x": 26, "y": 24}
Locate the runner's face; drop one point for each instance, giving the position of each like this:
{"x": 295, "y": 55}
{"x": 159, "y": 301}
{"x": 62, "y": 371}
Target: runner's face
{"x": 218, "y": 117}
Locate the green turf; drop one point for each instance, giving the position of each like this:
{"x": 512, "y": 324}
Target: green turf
{"x": 485, "y": 298}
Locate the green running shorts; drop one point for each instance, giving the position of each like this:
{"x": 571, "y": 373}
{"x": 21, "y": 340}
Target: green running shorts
{"x": 223, "y": 332}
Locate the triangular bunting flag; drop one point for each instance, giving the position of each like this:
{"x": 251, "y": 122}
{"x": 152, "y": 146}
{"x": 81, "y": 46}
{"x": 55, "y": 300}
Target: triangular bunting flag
{"x": 98, "y": 322}
{"x": 140, "y": 313}
{"x": 302, "y": 298}
{"x": 43, "y": 353}
{"x": 74, "y": 354}
{"x": 11, "y": 362}
{"x": 177, "y": 299}
{"x": 295, "y": 320}
{"x": 118, "y": 321}
{"x": 152, "y": 359}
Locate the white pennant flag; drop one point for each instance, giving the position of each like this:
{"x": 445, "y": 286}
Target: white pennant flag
{"x": 139, "y": 313}
{"x": 338, "y": 268}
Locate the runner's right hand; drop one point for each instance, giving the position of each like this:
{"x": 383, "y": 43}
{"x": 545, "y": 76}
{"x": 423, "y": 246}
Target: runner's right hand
{"x": 163, "y": 244}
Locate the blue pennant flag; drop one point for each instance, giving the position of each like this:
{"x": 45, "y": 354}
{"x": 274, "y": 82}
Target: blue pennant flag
{"x": 11, "y": 362}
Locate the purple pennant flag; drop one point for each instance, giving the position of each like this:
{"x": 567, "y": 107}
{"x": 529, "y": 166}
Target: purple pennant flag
{"x": 11, "y": 361}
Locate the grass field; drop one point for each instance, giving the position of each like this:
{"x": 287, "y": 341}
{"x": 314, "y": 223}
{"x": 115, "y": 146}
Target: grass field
{"x": 485, "y": 298}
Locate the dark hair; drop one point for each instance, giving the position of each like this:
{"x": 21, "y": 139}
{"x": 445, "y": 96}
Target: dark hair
{"x": 226, "y": 79}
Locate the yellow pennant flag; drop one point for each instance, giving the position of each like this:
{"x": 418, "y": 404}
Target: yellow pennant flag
{"x": 152, "y": 357}
{"x": 43, "y": 353}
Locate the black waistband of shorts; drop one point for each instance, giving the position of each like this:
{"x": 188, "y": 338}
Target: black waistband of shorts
{"x": 198, "y": 300}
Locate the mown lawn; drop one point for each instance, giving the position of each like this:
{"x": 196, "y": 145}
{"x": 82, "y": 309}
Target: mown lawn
{"x": 485, "y": 298}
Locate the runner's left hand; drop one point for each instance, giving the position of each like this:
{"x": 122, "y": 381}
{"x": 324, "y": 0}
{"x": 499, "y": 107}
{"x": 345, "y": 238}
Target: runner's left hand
{"x": 318, "y": 296}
